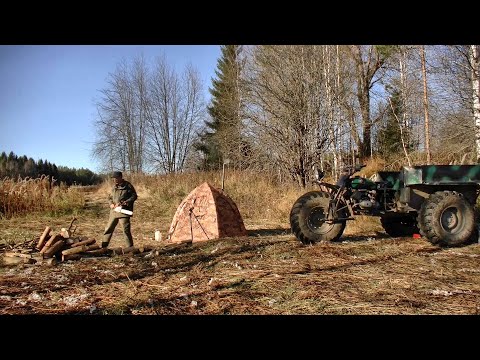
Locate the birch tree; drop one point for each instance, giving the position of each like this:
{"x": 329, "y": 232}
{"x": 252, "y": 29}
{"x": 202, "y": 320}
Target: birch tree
{"x": 475, "y": 70}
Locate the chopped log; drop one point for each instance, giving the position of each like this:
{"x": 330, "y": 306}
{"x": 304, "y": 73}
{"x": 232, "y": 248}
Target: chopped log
{"x": 49, "y": 262}
{"x": 121, "y": 251}
{"x": 84, "y": 242}
{"x": 38, "y": 257}
{"x": 74, "y": 250}
{"x": 54, "y": 239}
{"x": 71, "y": 257}
{"x": 44, "y": 237}
{"x": 92, "y": 247}
{"x": 53, "y": 249}
{"x": 15, "y": 260}
{"x": 12, "y": 260}
{"x": 99, "y": 252}
{"x": 17, "y": 254}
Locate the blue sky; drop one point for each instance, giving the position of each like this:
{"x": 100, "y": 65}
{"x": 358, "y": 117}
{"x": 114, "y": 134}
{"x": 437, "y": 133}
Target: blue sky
{"x": 47, "y": 94}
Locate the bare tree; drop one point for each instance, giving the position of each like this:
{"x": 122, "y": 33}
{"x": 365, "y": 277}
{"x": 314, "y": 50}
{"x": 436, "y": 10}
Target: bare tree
{"x": 114, "y": 123}
{"x": 284, "y": 88}
{"x": 175, "y": 108}
{"x": 368, "y": 60}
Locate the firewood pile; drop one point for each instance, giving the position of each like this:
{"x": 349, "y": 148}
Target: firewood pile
{"x": 52, "y": 247}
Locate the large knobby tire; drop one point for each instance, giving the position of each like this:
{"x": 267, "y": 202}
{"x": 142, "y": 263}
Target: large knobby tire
{"x": 447, "y": 218}
{"x": 400, "y": 225}
{"x": 307, "y": 219}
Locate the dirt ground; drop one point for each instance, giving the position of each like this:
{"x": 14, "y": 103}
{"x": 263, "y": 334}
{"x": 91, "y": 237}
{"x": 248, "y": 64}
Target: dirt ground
{"x": 268, "y": 272}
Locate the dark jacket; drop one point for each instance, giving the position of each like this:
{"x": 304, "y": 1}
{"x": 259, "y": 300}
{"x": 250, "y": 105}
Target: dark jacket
{"x": 124, "y": 192}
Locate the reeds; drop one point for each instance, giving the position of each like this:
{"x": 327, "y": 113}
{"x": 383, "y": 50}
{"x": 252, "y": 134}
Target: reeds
{"x": 23, "y": 196}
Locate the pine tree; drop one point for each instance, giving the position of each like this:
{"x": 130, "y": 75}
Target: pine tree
{"x": 222, "y": 138}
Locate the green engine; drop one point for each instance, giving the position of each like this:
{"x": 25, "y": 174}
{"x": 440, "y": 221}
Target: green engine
{"x": 359, "y": 183}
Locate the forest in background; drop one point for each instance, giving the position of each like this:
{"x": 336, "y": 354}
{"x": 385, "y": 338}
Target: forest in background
{"x": 13, "y": 166}
{"x": 289, "y": 109}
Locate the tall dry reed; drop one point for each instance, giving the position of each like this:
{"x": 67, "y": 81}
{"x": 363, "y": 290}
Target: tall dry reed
{"x": 23, "y": 196}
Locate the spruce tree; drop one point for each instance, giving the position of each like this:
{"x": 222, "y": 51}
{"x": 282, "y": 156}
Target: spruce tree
{"x": 389, "y": 137}
{"x": 222, "y": 137}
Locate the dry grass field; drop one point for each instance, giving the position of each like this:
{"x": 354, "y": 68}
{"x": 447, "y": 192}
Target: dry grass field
{"x": 267, "y": 272}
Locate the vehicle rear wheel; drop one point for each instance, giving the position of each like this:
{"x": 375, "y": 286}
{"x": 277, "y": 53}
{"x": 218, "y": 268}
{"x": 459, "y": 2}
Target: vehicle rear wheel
{"x": 307, "y": 219}
{"x": 447, "y": 218}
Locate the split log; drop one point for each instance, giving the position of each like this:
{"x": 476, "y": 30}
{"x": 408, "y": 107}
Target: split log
{"x": 53, "y": 249}
{"x": 74, "y": 250}
{"x": 44, "y": 237}
{"x": 71, "y": 257}
{"x": 84, "y": 242}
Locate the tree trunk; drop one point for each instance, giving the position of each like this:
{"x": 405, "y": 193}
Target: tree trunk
{"x": 475, "y": 61}
{"x": 425, "y": 105}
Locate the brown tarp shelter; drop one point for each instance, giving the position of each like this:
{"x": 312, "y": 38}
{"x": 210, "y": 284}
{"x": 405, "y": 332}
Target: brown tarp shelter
{"x": 206, "y": 213}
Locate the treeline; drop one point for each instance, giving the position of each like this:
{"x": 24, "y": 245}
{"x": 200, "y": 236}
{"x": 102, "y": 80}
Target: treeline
{"x": 289, "y": 109}
{"x": 14, "y": 166}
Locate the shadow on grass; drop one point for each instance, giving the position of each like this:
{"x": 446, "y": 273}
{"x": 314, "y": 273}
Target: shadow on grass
{"x": 377, "y": 236}
{"x": 269, "y": 232}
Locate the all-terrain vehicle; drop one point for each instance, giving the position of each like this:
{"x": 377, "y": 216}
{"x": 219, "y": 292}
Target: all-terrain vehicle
{"x": 438, "y": 201}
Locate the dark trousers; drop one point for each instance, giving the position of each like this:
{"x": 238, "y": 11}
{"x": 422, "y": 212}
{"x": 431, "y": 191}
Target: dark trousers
{"x": 112, "y": 223}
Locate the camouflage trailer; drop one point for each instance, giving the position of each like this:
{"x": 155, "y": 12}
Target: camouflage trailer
{"x": 437, "y": 201}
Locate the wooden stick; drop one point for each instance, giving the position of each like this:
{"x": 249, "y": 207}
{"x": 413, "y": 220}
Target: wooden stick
{"x": 44, "y": 237}
{"x": 70, "y": 227}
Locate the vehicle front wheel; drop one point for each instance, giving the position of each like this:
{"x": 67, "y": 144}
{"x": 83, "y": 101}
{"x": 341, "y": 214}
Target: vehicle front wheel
{"x": 307, "y": 219}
